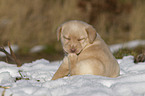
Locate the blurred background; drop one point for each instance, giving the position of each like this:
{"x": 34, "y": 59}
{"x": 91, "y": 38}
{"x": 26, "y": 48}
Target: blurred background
{"x": 29, "y": 23}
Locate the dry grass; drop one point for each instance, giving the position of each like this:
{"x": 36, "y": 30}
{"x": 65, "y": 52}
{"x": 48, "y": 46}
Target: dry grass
{"x": 137, "y": 21}
{"x": 126, "y": 52}
{"x": 33, "y": 22}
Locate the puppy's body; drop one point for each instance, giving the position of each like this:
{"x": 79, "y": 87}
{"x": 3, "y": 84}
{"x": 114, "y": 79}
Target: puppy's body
{"x": 100, "y": 62}
{"x": 86, "y": 52}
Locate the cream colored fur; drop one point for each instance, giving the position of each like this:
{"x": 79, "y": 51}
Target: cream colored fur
{"x": 86, "y": 52}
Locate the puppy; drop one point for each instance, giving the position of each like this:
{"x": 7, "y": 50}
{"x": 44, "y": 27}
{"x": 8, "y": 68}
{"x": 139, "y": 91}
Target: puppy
{"x": 86, "y": 52}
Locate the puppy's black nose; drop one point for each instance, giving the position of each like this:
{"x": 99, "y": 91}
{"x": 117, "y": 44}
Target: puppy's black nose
{"x": 73, "y": 50}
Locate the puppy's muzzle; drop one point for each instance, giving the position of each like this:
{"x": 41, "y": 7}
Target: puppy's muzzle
{"x": 72, "y": 50}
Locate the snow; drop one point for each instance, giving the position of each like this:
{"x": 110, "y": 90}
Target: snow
{"x": 37, "y": 76}
{"x": 131, "y": 81}
{"x": 130, "y": 44}
{"x": 37, "y": 48}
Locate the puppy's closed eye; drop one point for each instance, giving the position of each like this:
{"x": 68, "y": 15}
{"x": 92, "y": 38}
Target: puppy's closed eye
{"x": 65, "y": 37}
{"x": 81, "y": 39}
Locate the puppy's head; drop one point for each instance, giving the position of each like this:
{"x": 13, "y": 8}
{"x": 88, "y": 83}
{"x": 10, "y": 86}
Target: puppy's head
{"x": 75, "y": 36}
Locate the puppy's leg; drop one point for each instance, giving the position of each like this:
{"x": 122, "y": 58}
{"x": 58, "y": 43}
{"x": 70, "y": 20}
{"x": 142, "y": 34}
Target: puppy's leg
{"x": 63, "y": 70}
{"x": 72, "y": 60}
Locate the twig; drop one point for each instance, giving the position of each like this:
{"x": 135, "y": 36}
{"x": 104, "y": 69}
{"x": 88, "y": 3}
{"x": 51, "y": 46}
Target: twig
{"x": 3, "y": 93}
{"x": 22, "y": 77}
{"x": 2, "y": 49}
{"x": 20, "y": 73}
{"x": 140, "y": 58}
{"x": 5, "y": 87}
{"x": 12, "y": 55}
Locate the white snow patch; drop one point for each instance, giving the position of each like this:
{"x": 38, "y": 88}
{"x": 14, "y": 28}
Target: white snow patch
{"x": 37, "y": 48}
{"x": 130, "y": 44}
{"x": 131, "y": 82}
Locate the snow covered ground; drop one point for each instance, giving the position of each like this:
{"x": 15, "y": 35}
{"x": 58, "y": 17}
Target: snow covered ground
{"x": 129, "y": 45}
{"x": 131, "y": 81}
{"x": 37, "y": 76}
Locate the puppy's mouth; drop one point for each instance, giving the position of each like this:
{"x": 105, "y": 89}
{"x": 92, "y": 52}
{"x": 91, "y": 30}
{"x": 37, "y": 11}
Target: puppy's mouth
{"x": 72, "y": 50}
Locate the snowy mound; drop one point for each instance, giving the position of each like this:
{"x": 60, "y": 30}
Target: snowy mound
{"x": 38, "y": 82}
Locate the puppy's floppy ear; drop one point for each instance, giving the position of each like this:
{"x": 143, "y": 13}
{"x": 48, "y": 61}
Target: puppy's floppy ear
{"x": 91, "y": 33}
{"x": 59, "y": 29}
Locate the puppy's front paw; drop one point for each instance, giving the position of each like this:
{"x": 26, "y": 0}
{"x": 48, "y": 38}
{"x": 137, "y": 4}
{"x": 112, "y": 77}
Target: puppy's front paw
{"x": 72, "y": 57}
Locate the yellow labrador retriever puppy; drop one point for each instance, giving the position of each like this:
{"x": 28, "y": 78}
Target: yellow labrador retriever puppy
{"x": 86, "y": 52}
